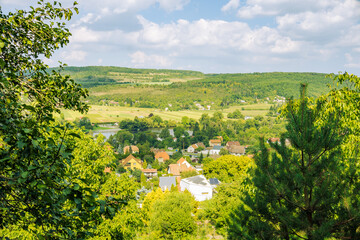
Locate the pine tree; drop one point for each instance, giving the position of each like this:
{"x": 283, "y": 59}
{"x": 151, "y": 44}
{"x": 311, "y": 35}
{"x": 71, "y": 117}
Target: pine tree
{"x": 300, "y": 191}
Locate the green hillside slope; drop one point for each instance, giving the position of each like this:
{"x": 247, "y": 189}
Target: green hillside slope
{"x": 181, "y": 90}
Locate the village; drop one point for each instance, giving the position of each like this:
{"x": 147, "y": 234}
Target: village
{"x": 185, "y": 173}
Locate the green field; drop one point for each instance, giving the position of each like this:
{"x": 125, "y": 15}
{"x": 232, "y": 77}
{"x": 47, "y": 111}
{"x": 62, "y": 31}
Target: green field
{"x": 103, "y": 114}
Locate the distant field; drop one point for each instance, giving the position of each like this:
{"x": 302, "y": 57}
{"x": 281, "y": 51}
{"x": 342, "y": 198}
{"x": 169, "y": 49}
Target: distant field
{"x": 102, "y": 114}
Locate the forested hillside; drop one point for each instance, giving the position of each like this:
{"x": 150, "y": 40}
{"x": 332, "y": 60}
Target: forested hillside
{"x": 178, "y": 89}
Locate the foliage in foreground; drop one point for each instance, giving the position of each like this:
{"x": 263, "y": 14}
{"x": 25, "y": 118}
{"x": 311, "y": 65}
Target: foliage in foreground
{"x": 52, "y": 180}
{"x": 308, "y": 190}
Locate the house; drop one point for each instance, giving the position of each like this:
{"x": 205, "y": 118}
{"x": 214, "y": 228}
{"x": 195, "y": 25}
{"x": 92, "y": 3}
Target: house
{"x": 132, "y": 163}
{"x": 167, "y": 182}
{"x": 191, "y": 148}
{"x": 150, "y": 173}
{"x": 215, "y": 150}
{"x": 274, "y": 140}
{"x": 215, "y": 142}
{"x": 196, "y": 147}
{"x": 181, "y": 166}
{"x": 134, "y": 149}
{"x": 236, "y": 150}
{"x": 198, "y": 186}
{"x": 174, "y": 169}
{"x": 162, "y": 157}
{"x": 232, "y": 143}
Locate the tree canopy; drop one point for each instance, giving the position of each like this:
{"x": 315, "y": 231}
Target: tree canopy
{"x": 48, "y": 184}
{"x": 305, "y": 190}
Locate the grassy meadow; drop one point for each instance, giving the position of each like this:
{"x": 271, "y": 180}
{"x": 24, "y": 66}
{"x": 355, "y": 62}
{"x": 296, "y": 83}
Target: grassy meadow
{"x": 104, "y": 114}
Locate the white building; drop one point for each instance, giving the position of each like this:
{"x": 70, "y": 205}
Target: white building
{"x": 215, "y": 150}
{"x": 198, "y": 186}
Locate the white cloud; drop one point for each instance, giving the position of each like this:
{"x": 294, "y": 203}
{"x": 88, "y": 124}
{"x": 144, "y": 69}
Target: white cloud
{"x": 214, "y": 34}
{"x": 75, "y": 55}
{"x": 141, "y": 59}
{"x": 232, "y": 4}
{"x": 84, "y": 35}
{"x": 172, "y": 5}
{"x": 255, "y": 8}
{"x": 325, "y": 25}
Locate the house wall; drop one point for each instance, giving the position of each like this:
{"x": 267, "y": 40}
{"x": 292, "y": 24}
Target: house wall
{"x": 212, "y": 151}
{"x": 133, "y": 165}
{"x": 190, "y": 149}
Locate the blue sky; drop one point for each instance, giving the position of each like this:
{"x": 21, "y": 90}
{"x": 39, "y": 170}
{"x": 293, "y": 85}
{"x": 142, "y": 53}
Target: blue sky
{"x": 213, "y": 36}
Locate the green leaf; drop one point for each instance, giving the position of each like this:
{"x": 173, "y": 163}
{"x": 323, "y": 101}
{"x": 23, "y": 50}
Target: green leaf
{"x": 74, "y": 135}
{"x": 24, "y": 174}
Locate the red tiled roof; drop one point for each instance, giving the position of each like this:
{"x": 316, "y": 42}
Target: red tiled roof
{"x": 194, "y": 146}
{"x": 149, "y": 170}
{"x": 215, "y": 141}
{"x": 200, "y": 144}
{"x": 181, "y": 160}
{"x": 163, "y": 155}
{"x": 237, "y": 149}
{"x": 233, "y": 143}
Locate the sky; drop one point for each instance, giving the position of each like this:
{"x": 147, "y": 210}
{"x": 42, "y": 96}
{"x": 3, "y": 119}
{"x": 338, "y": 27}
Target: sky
{"x": 212, "y": 36}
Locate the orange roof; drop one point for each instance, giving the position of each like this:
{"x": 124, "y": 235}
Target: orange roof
{"x": 124, "y": 161}
{"x": 273, "y": 140}
{"x": 162, "y": 155}
{"x": 149, "y": 170}
{"x": 233, "y": 143}
{"x": 181, "y": 161}
{"x": 174, "y": 169}
{"x": 107, "y": 170}
{"x": 184, "y": 168}
{"x": 215, "y": 141}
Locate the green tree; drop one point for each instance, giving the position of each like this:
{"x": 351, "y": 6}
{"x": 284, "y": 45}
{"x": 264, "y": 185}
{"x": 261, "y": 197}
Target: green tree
{"x": 126, "y": 224}
{"x": 236, "y": 115}
{"x": 34, "y": 161}
{"x": 52, "y": 179}
{"x": 305, "y": 190}
{"x": 121, "y": 139}
{"x": 84, "y": 122}
{"x": 171, "y": 216}
{"x": 224, "y": 151}
{"x": 164, "y": 133}
{"x": 227, "y": 168}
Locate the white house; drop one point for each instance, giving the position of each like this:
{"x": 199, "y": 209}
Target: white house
{"x": 191, "y": 149}
{"x": 215, "y": 150}
{"x": 198, "y": 186}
